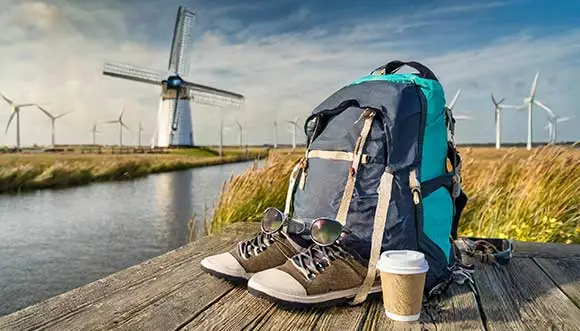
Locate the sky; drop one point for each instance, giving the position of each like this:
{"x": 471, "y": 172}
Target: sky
{"x": 286, "y": 57}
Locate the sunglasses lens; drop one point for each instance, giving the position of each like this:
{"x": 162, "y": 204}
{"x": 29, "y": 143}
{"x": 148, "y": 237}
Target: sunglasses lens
{"x": 325, "y": 231}
{"x": 272, "y": 220}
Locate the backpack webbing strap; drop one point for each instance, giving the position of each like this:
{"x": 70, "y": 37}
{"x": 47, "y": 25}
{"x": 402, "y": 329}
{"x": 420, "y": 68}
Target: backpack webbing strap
{"x": 358, "y": 149}
{"x": 335, "y": 155}
{"x": 379, "y": 222}
{"x": 292, "y": 187}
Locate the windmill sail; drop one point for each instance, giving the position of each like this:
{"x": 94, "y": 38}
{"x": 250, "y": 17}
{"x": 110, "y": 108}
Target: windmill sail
{"x": 131, "y": 72}
{"x": 212, "y": 96}
{"x": 181, "y": 45}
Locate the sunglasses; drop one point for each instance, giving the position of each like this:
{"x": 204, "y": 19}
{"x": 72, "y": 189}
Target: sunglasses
{"x": 323, "y": 231}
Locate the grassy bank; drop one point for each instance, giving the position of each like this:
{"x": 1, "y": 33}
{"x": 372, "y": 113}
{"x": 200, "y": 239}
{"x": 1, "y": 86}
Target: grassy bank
{"x": 20, "y": 172}
{"x": 530, "y": 196}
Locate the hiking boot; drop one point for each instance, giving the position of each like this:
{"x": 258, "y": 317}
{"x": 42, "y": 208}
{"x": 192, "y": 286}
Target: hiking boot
{"x": 321, "y": 276}
{"x": 263, "y": 251}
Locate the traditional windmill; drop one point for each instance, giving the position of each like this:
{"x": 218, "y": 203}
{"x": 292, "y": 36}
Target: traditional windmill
{"x": 174, "y": 127}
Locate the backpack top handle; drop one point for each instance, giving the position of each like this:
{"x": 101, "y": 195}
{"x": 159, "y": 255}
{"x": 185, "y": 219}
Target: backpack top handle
{"x": 394, "y": 66}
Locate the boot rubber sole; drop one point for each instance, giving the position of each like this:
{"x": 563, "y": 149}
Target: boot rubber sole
{"x": 319, "y": 300}
{"x": 234, "y": 279}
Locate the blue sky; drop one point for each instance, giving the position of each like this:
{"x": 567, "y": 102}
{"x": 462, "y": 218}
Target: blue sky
{"x": 286, "y": 57}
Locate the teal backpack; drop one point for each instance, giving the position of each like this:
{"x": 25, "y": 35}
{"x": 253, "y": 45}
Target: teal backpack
{"x": 381, "y": 160}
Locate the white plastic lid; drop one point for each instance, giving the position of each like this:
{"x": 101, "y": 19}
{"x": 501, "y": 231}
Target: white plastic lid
{"x": 403, "y": 262}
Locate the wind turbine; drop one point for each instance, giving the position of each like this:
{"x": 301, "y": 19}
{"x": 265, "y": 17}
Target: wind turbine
{"x": 121, "y": 126}
{"x": 452, "y": 105}
{"x": 174, "y": 125}
{"x": 497, "y": 109}
{"x": 552, "y": 126}
{"x": 294, "y": 124}
{"x": 140, "y": 131}
{"x": 530, "y": 101}
{"x": 15, "y": 111}
{"x": 241, "y": 133}
{"x": 275, "y": 133}
{"x": 94, "y": 132}
{"x": 52, "y": 122}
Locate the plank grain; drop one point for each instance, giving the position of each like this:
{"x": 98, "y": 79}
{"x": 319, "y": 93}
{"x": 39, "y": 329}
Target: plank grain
{"x": 566, "y": 273}
{"x": 520, "y": 296}
{"x": 87, "y": 298}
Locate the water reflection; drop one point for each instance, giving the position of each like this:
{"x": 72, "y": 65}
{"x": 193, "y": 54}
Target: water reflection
{"x": 54, "y": 240}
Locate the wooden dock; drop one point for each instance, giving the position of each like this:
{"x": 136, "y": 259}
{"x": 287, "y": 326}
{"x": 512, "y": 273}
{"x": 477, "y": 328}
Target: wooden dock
{"x": 538, "y": 290}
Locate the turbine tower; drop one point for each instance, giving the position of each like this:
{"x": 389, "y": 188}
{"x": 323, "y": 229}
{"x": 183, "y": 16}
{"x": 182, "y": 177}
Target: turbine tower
{"x": 15, "y": 111}
{"x": 140, "y": 131}
{"x": 275, "y": 133}
{"x": 294, "y": 125}
{"x": 94, "y": 132}
{"x": 552, "y": 127}
{"x": 121, "y": 126}
{"x": 52, "y": 122}
{"x": 174, "y": 126}
{"x": 498, "y": 107}
{"x": 529, "y": 102}
{"x": 241, "y": 133}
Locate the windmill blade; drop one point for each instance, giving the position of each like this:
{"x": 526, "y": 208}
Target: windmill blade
{"x": 121, "y": 115}
{"x": 534, "y": 85}
{"x": 10, "y": 120}
{"x": 223, "y": 99}
{"x": 10, "y": 102}
{"x": 134, "y": 73}
{"x": 114, "y": 121}
{"x": 546, "y": 108}
{"x": 199, "y": 88}
{"x": 123, "y": 125}
{"x": 63, "y": 114}
{"x": 46, "y": 112}
{"x": 462, "y": 117}
{"x": 238, "y": 124}
{"x": 181, "y": 45}
{"x": 564, "y": 119}
{"x": 452, "y": 104}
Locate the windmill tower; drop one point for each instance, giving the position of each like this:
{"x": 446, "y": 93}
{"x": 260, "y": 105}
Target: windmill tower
{"x": 294, "y": 125}
{"x": 174, "y": 125}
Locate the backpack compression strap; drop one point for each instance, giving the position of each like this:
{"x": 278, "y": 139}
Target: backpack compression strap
{"x": 368, "y": 115}
{"x": 379, "y": 222}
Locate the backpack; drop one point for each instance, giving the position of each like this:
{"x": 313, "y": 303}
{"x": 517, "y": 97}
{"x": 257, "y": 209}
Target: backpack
{"x": 376, "y": 161}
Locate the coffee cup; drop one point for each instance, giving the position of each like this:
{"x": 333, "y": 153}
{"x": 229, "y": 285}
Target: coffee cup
{"x": 403, "y": 275}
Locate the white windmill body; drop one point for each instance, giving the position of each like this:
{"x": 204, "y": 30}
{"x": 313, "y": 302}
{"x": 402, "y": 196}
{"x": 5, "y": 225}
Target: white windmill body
{"x": 174, "y": 124}
{"x": 94, "y": 133}
{"x": 241, "y": 133}
{"x": 140, "y": 132}
{"x": 275, "y": 133}
{"x": 15, "y": 112}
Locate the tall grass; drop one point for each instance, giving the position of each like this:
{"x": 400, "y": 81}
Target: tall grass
{"x": 529, "y": 196}
{"x": 20, "y": 172}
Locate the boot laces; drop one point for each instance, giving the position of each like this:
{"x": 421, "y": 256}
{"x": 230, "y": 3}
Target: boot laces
{"x": 255, "y": 245}
{"x": 317, "y": 258}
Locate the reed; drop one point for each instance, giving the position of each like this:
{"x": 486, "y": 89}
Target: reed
{"x": 21, "y": 172}
{"x": 513, "y": 193}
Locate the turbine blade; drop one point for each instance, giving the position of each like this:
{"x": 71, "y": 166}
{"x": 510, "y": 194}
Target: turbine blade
{"x": 564, "y": 119}
{"x": 46, "y": 112}
{"x": 10, "y": 120}
{"x": 452, "y": 104}
{"x": 126, "y": 127}
{"x": 493, "y": 100}
{"x": 10, "y": 102}
{"x": 25, "y": 105}
{"x": 462, "y": 117}
{"x": 546, "y": 108}
{"x": 501, "y": 101}
{"x": 63, "y": 114}
{"x": 534, "y": 85}
{"x": 114, "y": 121}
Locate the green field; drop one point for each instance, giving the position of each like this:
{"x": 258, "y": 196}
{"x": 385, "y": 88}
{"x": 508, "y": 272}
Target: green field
{"x": 27, "y": 171}
{"x": 513, "y": 193}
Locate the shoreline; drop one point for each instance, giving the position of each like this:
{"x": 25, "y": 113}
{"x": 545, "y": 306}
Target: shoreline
{"x": 64, "y": 171}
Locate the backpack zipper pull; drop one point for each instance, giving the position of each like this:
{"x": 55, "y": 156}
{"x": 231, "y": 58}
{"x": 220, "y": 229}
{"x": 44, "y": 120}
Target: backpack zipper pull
{"x": 415, "y": 186}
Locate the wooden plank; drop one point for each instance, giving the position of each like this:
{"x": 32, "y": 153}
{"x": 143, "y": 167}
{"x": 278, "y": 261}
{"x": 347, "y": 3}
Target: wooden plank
{"x": 344, "y": 317}
{"x": 566, "y": 273}
{"x": 87, "y": 297}
{"x": 287, "y": 320}
{"x": 520, "y": 296}
{"x": 455, "y": 310}
{"x": 235, "y": 311}
{"x": 546, "y": 250}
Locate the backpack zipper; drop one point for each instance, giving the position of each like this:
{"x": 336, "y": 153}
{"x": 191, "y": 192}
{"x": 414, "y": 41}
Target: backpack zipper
{"x": 415, "y": 186}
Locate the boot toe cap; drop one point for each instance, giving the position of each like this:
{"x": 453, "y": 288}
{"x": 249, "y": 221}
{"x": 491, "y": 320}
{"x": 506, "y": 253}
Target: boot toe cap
{"x": 275, "y": 282}
{"x": 225, "y": 264}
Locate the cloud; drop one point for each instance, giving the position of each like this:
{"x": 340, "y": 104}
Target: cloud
{"x": 283, "y": 73}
